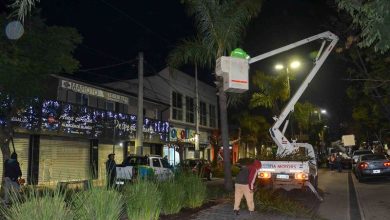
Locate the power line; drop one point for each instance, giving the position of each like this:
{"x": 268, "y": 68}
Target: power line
{"x": 135, "y": 21}
{"x": 106, "y": 66}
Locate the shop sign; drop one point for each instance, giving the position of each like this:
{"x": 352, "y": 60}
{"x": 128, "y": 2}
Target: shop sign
{"x": 87, "y": 90}
{"x": 182, "y": 134}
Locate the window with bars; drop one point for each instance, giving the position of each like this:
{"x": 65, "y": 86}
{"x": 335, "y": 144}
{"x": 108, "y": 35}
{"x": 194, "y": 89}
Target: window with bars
{"x": 203, "y": 114}
{"x": 177, "y": 106}
{"x": 212, "y": 116}
{"x": 189, "y": 109}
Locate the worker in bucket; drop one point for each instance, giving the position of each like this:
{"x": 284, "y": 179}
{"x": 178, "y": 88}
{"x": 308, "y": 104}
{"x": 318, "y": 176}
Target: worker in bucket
{"x": 244, "y": 186}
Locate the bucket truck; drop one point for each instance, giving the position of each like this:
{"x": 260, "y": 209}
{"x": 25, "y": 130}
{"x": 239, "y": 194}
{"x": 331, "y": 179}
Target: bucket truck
{"x": 284, "y": 174}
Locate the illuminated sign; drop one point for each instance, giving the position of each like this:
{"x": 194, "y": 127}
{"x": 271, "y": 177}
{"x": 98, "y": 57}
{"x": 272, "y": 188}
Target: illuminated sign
{"x": 87, "y": 90}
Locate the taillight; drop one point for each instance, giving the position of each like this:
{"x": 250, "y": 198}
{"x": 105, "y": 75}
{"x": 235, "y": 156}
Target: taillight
{"x": 301, "y": 176}
{"x": 264, "y": 175}
{"x": 387, "y": 164}
{"x": 363, "y": 165}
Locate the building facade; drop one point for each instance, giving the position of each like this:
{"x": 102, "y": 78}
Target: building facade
{"x": 178, "y": 90}
{"x": 69, "y": 135}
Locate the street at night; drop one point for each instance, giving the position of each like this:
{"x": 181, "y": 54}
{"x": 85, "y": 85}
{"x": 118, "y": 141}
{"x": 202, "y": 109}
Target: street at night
{"x": 195, "y": 109}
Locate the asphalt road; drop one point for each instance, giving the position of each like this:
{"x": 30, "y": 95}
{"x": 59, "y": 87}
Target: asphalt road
{"x": 374, "y": 198}
{"x": 347, "y": 199}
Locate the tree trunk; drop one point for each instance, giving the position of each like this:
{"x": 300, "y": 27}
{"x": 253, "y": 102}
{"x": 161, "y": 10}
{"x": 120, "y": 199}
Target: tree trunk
{"x": 225, "y": 140}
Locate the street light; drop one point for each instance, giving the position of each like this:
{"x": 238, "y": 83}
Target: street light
{"x": 293, "y": 65}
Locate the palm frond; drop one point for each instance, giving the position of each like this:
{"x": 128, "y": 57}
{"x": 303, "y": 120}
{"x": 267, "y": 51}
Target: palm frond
{"x": 191, "y": 51}
{"x": 22, "y": 8}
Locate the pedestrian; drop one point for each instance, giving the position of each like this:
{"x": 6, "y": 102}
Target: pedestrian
{"x": 332, "y": 160}
{"x": 244, "y": 186}
{"x": 338, "y": 162}
{"x": 111, "y": 170}
{"x": 12, "y": 173}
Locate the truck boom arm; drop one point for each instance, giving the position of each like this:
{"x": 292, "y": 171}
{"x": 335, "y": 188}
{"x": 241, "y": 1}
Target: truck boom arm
{"x": 284, "y": 145}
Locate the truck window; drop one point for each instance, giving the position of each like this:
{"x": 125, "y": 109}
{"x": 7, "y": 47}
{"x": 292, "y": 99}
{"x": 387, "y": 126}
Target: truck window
{"x": 156, "y": 162}
{"x": 165, "y": 163}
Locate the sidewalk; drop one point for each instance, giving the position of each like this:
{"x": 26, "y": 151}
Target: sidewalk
{"x": 224, "y": 211}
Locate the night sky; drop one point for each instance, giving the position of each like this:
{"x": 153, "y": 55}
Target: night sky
{"x": 114, "y": 31}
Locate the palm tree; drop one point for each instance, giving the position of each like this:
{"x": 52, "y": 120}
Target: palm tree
{"x": 191, "y": 51}
{"x": 23, "y": 7}
{"x": 220, "y": 25}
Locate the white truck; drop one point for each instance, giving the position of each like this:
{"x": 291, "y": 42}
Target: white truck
{"x": 294, "y": 174}
{"x": 130, "y": 168}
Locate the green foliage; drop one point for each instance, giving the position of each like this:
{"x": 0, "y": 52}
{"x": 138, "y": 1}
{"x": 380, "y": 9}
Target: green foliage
{"x": 302, "y": 114}
{"x": 36, "y": 205}
{"x": 221, "y": 24}
{"x": 270, "y": 90}
{"x": 42, "y": 50}
{"x": 173, "y": 197}
{"x": 373, "y": 19}
{"x": 98, "y": 204}
{"x": 143, "y": 200}
{"x": 254, "y": 128}
{"x": 272, "y": 201}
{"x": 195, "y": 189}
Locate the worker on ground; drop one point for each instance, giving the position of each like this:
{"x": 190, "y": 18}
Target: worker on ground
{"x": 244, "y": 186}
{"x": 111, "y": 170}
{"x": 12, "y": 173}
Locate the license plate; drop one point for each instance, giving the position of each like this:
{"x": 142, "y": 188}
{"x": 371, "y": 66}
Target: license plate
{"x": 376, "y": 171}
{"x": 120, "y": 182}
{"x": 282, "y": 176}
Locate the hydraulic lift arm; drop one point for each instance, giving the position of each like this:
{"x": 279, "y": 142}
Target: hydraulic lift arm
{"x": 329, "y": 39}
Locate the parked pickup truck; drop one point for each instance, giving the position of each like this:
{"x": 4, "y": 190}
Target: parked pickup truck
{"x": 133, "y": 166}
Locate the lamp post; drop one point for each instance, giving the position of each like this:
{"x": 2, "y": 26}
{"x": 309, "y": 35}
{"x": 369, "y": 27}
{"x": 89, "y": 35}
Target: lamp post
{"x": 293, "y": 65}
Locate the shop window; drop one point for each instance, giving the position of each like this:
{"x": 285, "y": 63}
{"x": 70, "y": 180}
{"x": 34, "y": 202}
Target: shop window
{"x": 203, "y": 114}
{"x": 110, "y": 106}
{"x": 189, "y": 109}
{"x": 101, "y": 103}
{"x": 212, "y": 116}
{"x": 177, "y": 106}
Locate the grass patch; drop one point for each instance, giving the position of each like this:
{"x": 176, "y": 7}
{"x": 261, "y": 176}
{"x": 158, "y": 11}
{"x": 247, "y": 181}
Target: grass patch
{"x": 195, "y": 189}
{"x": 34, "y": 205}
{"x": 274, "y": 202}
{"x": 173, "y": 196}
{"x": 98, "y": 204}
{"x": 143, "y": 200}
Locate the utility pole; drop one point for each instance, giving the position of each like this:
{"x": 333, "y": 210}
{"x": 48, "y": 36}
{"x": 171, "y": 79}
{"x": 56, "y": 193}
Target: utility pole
{"x": 197, "y": 153}
{"x": 140, "y": 113}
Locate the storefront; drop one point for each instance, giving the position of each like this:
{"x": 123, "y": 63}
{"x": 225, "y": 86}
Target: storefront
{"x": 63, "y": 159}
{"x": 70, "y": 142}
{"x": 186, "y": 137}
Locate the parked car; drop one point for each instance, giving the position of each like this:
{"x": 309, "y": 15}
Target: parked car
{"x": 198, "y": 166}
{"x": 136, "y": 165}
{"x": 372, "y": 166}
{"x": 357, "y": 153}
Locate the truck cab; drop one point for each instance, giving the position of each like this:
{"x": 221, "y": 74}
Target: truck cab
{"x": 131, "y": 168}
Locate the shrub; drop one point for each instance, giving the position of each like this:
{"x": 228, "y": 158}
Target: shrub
{"x": 143, "y": 200}
{"x": 273, "y": 201}
{"x": 173, "y": 197}
{"x": 195, "y": 189}
{"x": 97, "y": 203}
{"x": 38, "y": 206}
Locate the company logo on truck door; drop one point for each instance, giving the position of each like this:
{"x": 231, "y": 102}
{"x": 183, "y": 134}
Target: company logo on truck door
{"x": 282, "y": 166}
